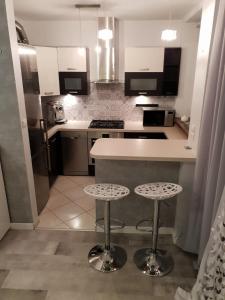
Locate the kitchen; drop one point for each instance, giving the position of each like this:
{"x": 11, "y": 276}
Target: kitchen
{"x": 106, "y": 108}
{"x": 89, "y": 91}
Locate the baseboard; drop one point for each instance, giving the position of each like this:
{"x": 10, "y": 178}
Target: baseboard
{"x": 22, "y": 226}
{"x": 132, "y": 229}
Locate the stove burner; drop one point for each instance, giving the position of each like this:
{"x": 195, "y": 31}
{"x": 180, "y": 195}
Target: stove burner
{"x": 110, "y": 124}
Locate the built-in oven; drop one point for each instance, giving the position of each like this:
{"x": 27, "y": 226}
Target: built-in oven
{"x": 143, "y": 83}
{"x": 75, "y": 83}
{"x": 92, "y": 138}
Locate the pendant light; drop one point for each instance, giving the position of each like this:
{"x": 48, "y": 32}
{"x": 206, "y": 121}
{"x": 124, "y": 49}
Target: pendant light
{"x": 105, "y": 33}
{"x": 169, "y": 34}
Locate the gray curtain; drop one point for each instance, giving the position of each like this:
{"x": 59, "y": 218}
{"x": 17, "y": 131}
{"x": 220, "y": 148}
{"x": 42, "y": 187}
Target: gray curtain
{"x": 209, "y": 178}
{"x": 211, "y": 276}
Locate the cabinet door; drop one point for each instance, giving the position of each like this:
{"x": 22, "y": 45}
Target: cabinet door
{"x": 74, "y": 153}
{"x": 144, "y": 59}
{"x": 47, "y": 64}
{"x": 72, "y": 59}
{"x": 55, "y": 158}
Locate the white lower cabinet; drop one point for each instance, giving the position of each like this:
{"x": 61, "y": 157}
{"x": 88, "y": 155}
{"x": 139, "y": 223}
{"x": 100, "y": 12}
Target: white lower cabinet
{"x": 47, "y": 64}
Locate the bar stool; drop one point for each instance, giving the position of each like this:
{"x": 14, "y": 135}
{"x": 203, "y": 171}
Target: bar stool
{"x": 107, "y": 258}
{"x": 152, "y": 261}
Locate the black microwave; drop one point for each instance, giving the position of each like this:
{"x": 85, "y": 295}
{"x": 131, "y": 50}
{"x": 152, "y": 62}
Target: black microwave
{"x": 143, "y": 83}
{"x": 75, "y": 83}
{"x": 158, "y": 117}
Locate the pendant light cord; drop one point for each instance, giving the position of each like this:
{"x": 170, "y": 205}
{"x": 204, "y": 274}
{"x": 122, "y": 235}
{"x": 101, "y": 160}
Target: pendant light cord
{"x": 80, "y": 28}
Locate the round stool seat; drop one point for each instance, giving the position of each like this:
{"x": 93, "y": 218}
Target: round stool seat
{"x": 158, "y": 190}
{"x": 106, "y": 191}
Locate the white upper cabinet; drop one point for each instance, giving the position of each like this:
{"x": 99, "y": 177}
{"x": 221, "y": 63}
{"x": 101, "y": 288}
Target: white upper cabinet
{"x": 47, "y": 64}
{"x": 72, "y": 59}
{"x": 144, "y": 59}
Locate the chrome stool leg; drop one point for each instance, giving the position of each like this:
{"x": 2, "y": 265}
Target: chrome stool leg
{"x": 152, "y": 261}
{"x": 107, "y": 258}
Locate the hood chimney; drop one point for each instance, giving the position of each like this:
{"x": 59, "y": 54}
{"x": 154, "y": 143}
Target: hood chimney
{"x": 107, "y": 52}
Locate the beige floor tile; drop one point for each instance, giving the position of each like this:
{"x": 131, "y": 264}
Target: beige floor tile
{"x": 63, "y": 184}
{"x": 61, "y": 226}
{"x": 92, "y": 212}
{"x": 86, "y": 202}
{"x": 45, "y": 210}
{"x": 74, "y": 193}
{"x": 68, "y": 211}
{"x": 57, "y": 200}
{"x": 82, "y": 222}
{"x": 53, "y": 192}
{"x": 49, "y": 220}
{"x": 83, "y": 180}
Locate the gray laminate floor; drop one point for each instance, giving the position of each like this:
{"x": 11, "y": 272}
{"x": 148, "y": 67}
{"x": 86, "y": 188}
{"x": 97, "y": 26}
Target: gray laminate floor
{"x": 52, "y": 265}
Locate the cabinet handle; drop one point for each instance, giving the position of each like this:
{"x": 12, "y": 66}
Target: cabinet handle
{"x": 71, "y": 69}
{"x": 145, "y": 69}
{"x": 52, "y": 141}
{"x": 49, "y": 93}
{"x": 49, "y": 163}
{"x": 71, "y": 137}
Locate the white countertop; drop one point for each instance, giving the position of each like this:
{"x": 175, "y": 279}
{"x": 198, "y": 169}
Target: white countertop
{"x": 139, "y": 149}
{"x": 171, "y": 132}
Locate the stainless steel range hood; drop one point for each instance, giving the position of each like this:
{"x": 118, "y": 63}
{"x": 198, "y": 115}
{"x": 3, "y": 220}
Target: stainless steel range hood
{"x": 107, "y": 52}
{"x": 21, "y": 34}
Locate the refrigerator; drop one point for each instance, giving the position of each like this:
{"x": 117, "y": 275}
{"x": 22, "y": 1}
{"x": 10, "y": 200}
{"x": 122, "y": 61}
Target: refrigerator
{"x": 36, "y": 124}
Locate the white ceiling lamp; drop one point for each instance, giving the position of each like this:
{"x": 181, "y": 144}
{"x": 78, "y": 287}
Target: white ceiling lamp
{"x": 105, "y": 33}
{"x": 169, "y": 34}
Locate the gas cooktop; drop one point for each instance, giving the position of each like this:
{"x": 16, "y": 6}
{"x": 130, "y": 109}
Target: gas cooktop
{"x": 107, "y": 124}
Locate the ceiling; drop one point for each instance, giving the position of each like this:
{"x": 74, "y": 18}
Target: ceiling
{"x": 122, "y": 9}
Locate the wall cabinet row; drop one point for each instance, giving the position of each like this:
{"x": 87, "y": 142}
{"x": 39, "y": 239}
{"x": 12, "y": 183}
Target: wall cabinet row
{"x": 152, "y": 71}
{"x": 51, "y": 61}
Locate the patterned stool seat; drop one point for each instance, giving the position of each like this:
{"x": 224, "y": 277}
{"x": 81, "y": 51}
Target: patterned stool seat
{"x": 106, "y": 191}
{"x": 158, "y": 190}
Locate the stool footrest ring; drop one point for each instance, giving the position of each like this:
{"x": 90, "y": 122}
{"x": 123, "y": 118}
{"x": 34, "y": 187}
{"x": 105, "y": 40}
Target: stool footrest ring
{"x": 115, "y": 223}
{"x": 144, "y": 229}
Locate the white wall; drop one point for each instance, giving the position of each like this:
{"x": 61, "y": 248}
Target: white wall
{"x": 15, "y": 148}
{"x": 132, "y": 33}
{"x": 148, "y": 33}
{"x": 202, "y": 63}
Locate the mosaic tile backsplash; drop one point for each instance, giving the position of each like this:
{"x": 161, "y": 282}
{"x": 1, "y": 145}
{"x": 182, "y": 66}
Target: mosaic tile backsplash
{"x": 105, "y": 102}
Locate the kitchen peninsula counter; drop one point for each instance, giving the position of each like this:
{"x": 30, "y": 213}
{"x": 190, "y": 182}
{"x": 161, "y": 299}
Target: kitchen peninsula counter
{"x": 142, "y": 149}
{"x": 131, "y": 162}
{"x": 171, "y": 132}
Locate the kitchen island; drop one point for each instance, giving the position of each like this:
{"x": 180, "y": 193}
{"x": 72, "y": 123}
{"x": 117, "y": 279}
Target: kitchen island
{"x": 131, "y": 162}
